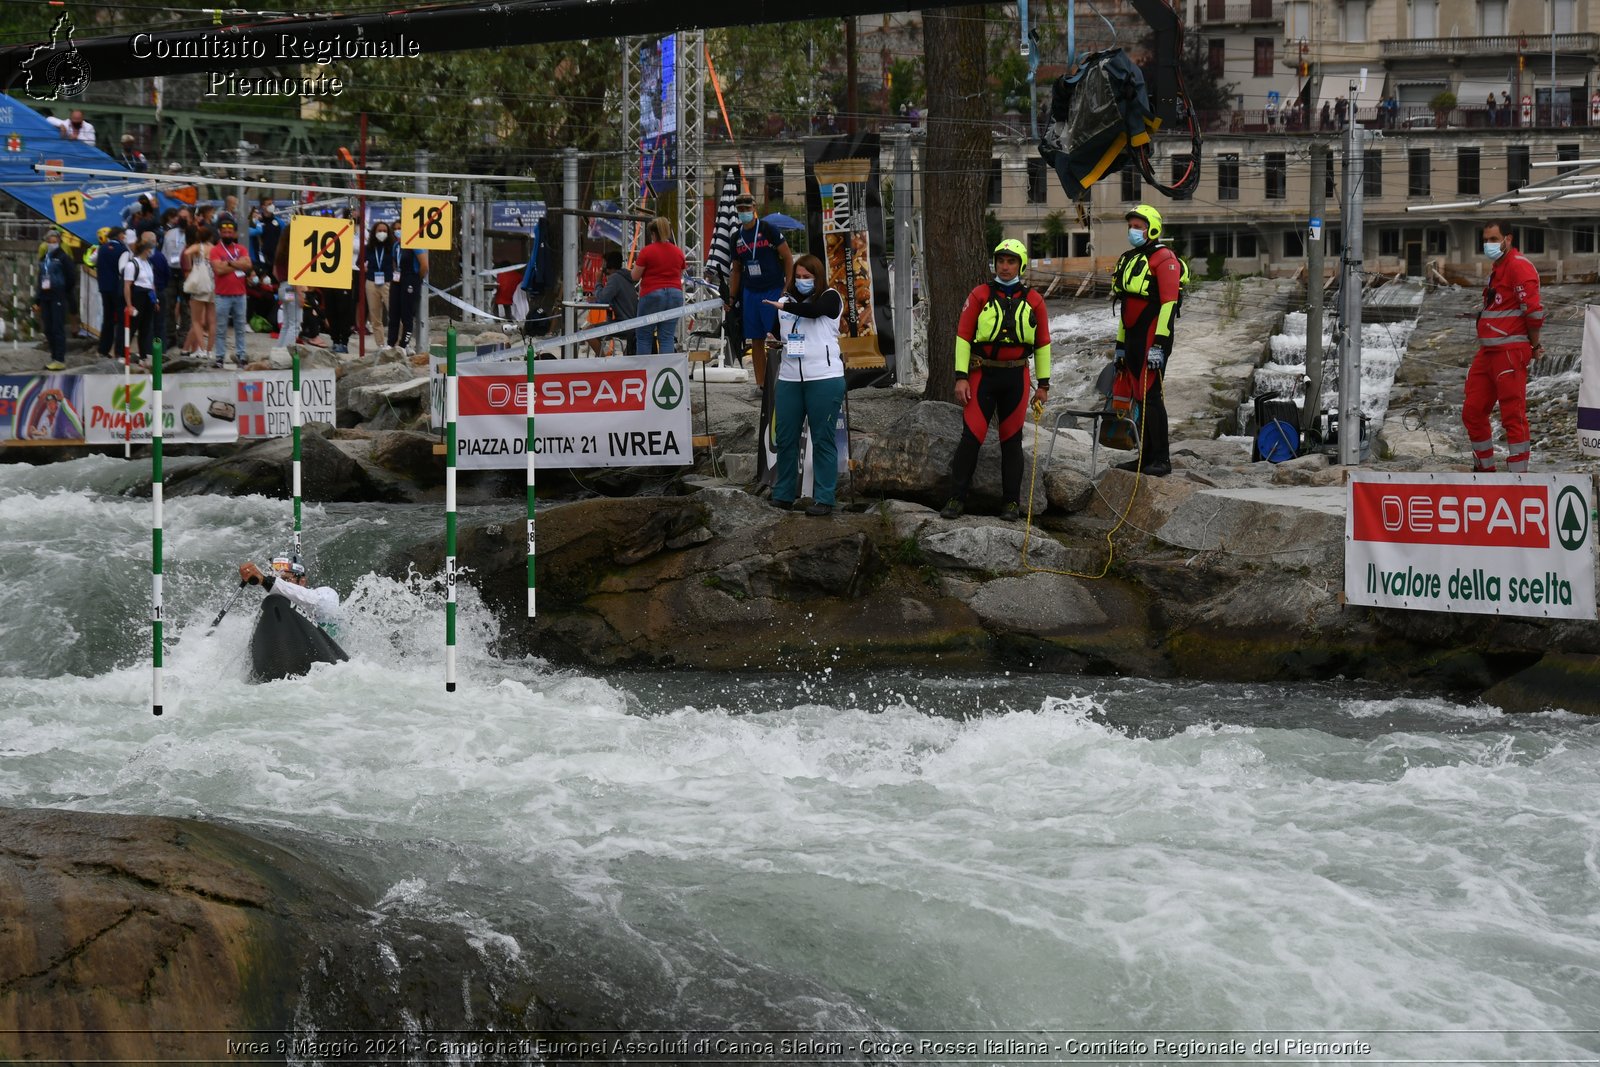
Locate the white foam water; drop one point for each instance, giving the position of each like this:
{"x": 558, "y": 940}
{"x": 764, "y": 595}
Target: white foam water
{"x": 1001, "y": 852}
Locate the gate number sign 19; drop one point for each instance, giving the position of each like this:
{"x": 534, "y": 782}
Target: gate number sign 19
{"x": 321, "y": 252}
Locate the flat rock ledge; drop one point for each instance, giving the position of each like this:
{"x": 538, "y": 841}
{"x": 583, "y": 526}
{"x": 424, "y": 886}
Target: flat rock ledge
{"x": 1226, "y": 573}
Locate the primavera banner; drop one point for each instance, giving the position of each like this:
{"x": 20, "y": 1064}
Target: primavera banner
{"x": 205, "y": 408}
{"x": 844, "y": 229}
{"x": 1507, "y": 544}
{"x": 626, "y": 411}
{"x": 41, "y": 407}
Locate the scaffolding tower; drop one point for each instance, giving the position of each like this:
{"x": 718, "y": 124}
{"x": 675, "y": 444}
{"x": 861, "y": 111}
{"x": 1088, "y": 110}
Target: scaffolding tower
{"x": 689, "y": 94}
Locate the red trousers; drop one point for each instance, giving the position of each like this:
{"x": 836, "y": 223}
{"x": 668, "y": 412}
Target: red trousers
{"x": 1499, "y": 375}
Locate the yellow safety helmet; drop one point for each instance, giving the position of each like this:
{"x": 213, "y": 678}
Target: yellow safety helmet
{"x": 1151, "y": 217}
{"x": 100, "y": 235}
{"x": 1013, "y": 247}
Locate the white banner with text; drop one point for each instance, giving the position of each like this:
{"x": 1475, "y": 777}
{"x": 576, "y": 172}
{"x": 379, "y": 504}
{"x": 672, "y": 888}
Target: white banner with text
{"x": 1589, "y": 384}
{"x": 626, "y": 411}
{"x": 204, "y": 408}
{"x": 1506, "y": 544}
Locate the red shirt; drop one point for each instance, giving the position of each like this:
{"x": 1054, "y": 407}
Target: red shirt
{"x": 229, "y": 283}
{"x": 663, "y": 264}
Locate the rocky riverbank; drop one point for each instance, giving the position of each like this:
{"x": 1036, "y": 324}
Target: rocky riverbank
{"x": 1226, "y": 569}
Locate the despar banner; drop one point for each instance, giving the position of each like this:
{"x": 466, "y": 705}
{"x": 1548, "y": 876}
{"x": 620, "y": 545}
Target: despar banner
{"x": 1517, "y": 544}
{"x": 42, "y": 407}
{"x": 626, "y": 411}
{"x": 204, "y": 408}
{"x": 1589, "y": 387}
{"x": 844, "y": 216}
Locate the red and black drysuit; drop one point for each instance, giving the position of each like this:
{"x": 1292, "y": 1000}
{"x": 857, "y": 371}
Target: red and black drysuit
{"x": 1148, "y": 284}
{"x": 1000, "y": 327}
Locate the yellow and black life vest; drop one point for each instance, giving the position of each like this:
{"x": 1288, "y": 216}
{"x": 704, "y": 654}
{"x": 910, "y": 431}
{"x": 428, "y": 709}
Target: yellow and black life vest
{"x": 1006, "y": 320}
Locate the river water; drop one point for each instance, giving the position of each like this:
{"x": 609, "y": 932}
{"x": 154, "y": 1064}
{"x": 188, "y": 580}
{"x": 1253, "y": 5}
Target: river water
{"x": 1010, "y": 855}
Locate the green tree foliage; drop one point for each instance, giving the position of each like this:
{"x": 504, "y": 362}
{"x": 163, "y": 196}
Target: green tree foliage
{"x": 905, "y": 84}
{"x": 769, "y": 73}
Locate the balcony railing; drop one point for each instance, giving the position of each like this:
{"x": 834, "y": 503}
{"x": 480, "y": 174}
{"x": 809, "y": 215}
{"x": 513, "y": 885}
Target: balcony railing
{"x": 1251, "y": 11}
{"x": 1503, "y": 45}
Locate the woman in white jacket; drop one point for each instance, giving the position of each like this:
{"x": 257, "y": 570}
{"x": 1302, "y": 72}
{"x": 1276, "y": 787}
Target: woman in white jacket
{"x": 810, "y": 383}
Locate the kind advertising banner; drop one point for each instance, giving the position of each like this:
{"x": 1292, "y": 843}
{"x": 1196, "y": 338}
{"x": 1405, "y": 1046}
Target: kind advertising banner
{"x": 42, "y": 407}
{"x": 1507, "y": 544}
{"x": 626, "y": 411}
{"x": 1589, "y": 387}
{"x": 205, "y": 408}
{"x": 845, "y": 230}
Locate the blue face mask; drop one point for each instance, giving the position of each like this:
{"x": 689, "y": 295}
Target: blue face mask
{"x": 1492, "y": 249}
{"x": 803, "y": 286}
{"x": 1136, "y": 237}
{"x": 746, "y": 218}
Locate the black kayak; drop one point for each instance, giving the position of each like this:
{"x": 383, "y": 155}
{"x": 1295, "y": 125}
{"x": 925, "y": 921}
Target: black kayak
{"x": 286, "y": 643}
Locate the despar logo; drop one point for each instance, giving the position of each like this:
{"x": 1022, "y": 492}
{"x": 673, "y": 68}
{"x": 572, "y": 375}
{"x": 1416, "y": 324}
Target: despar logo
{"x": 57, "y": 71}
{"x": 668, "y": 391}
{"x": 592, "y": 393}
{"x": 1490, "y": 516}
{"x": 1572, "y": 519}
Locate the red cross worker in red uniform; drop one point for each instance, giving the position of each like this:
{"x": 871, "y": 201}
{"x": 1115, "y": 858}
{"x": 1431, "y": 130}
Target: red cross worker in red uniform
{"x": 1508, "y": 340}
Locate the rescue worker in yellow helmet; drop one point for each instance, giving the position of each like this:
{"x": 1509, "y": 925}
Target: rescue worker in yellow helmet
{"x": 1003, "y": 323}
{"x": 1148, "y": 283}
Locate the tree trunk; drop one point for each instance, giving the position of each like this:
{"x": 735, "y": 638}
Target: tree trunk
{"x": 955, "y": 177}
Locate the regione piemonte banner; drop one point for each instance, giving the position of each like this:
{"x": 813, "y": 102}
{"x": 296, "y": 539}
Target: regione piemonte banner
{"x": 1506, "y": 544}
{"x": 205, "y": 408}
{"x": 626, "y": 411}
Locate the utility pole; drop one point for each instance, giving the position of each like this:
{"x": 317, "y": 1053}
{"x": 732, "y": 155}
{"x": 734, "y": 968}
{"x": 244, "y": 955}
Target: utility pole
{"x": 569, "y": 242}
{"x": 421, "y": 341}
{"x": 852, "y": 89}
{"x": 1319, "y": 204}
{"x": 1350, "y": 346}
{"x": 903, "y": 255}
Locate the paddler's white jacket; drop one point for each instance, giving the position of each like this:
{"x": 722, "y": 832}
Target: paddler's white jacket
{"x": 320, "y": 603}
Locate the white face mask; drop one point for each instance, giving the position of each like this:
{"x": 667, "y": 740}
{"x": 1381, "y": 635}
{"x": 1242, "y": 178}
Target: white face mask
{"x": 381, "y": 236}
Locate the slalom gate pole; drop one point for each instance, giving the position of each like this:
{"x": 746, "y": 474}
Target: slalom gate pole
{"x": 294, "y": 422}
{"x": 532, "y": 492}
{"x": 127, "y": 381}
{"x": 451, "y": 402}
{"x": 156, "y": 421}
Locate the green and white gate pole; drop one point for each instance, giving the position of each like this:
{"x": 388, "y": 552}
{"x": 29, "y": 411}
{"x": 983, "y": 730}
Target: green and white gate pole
{"x": 532, "y": 492}
{"x": 294, "y": 420}
{"x": 156, "y": 421}
{"x": 451, "y": 402}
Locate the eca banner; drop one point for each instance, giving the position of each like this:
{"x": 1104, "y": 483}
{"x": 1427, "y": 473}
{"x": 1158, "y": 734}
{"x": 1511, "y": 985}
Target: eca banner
{"x": 1589, "y": 386}
{"x": 41, "y": 407}
{"x": 1507, "y": 544}
{"x": 626, "y": 411}
{"x": 205, "y": 408}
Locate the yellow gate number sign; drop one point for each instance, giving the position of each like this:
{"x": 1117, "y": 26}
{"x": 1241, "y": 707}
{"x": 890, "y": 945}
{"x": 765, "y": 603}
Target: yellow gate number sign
{"x": 322, "y": 252}
{"x": 426, "y": 223}
{"x": 69, "y": 206}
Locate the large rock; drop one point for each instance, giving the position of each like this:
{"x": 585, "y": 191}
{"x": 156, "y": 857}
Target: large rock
{"x": 911, "y": 460}
{"x": 391, "y": 405}
{"x": 409, "y": 455}
{"x": 1036, "y": 603}
{"x": 1301, "y": 526}
{"x": 129, "y": 939}
{"x": 993, "y": 549}
{"x": 326, "y": 471}
{"x": 1068, "y": 490}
